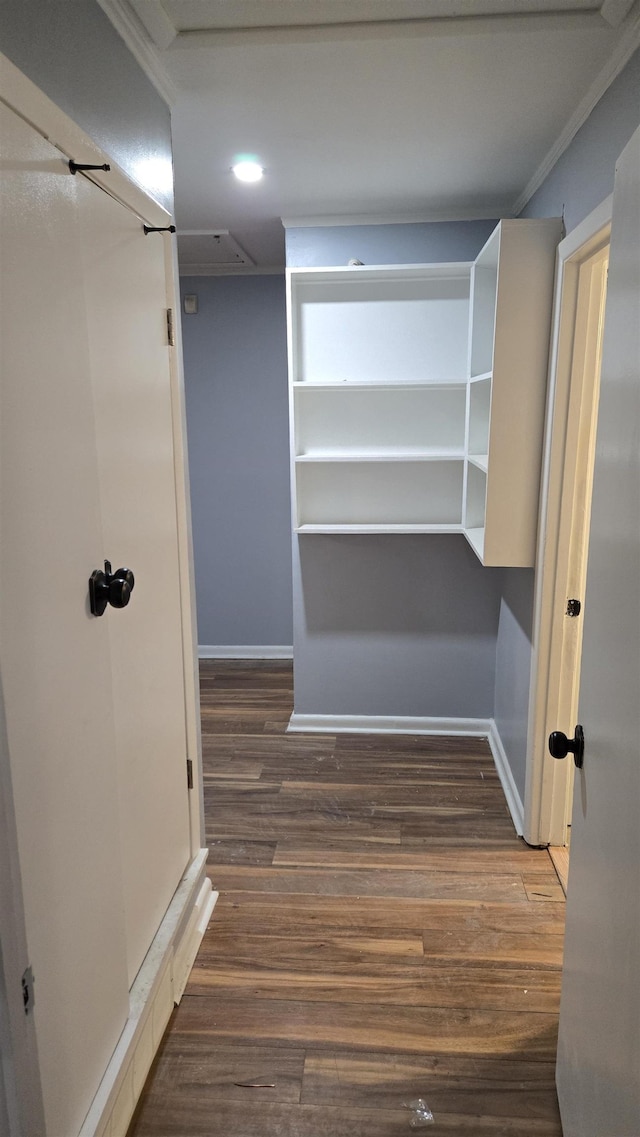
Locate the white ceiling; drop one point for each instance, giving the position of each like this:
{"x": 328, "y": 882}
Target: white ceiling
{"x": 368, "y": 109}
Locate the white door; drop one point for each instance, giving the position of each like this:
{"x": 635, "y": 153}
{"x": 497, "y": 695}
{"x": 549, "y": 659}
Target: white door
{"x": 54, "y": 655}
{"x": 126, "y": 297}
{"x": 598, "y": 1070}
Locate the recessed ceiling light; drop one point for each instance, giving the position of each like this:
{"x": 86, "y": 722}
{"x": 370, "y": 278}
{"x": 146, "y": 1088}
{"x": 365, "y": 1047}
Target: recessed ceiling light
{"x": 248, "y": 171}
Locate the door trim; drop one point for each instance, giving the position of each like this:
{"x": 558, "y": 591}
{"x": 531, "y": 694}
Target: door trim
{"x": 547, "y": 781}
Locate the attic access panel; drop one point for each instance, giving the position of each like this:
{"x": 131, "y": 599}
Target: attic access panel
{"x": 210, "y": 250}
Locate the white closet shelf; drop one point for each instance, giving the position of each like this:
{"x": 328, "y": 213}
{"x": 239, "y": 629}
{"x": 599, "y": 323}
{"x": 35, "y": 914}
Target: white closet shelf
{"x": 379, "y": 385}
{"x": 486, "y": 375}
{"x": 379, "y": 456}
{"x": 380, "y": 527}
{"x": 481, "y": 461}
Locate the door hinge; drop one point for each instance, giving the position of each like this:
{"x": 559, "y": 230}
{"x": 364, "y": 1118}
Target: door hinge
{"x": 573, "y": 607}
{"x": 189, "y": 774}
{"x": 28, "y": 996}
{"x": 171, "y": 335}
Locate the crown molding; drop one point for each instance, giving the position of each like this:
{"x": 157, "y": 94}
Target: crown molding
{"x": 131, "y": 30}
{"x": 404, "y": 28}
{"x": 620, "y": 56}
{"x": 324, "y": 221}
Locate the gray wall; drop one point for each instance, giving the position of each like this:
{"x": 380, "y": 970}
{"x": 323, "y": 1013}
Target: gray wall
{"x": 392, "y": 625}
{"x": 579, "y": 181}
{"x": 235, "y": 355}
{"x": 73, "y": 53}
{"x": 583, "y": 176}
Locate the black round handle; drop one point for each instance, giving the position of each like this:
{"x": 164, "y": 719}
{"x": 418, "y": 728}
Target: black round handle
{"x": 125, "y": 574}
{"x": 560, "y": 745}
{"x": 119, "y": 592}
{"x": 108, "y": 587}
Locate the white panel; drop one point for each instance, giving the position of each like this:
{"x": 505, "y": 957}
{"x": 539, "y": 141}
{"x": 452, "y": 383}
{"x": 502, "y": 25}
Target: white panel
{"x": 384, "y": 492}
{"x": 126, "y": 293}
{"x": 484, "y": 287}
{"x": 386, "y": 330}
{"x": 479, "y": 416}
{"x": 54, "y": 656}
{"x": 476, "y": 498}
{"x": 385, "y": 421}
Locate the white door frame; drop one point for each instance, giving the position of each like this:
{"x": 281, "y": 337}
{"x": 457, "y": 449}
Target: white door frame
{"x": 548, "y": 782}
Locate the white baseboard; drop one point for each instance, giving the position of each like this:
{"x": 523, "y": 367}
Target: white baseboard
{"x": 158, "y": 987}
{"x": 388, "y": 724}
{"x": 514, "y": 801}
{"x": 245, "y": 651}
{"x": 383, "y": 724}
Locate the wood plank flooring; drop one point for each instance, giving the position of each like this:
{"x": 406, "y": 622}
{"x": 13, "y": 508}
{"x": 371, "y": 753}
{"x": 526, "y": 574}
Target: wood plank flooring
{"x": 381, "y": 936}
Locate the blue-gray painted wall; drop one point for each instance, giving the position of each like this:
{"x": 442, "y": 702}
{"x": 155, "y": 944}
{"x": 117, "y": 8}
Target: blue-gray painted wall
{"x": 72, "y": 52}
{"x": 583, "y": 176}
{"x": 385, "y": 244}
{"x": 235, "y": 357}
{"x": 580, "y": 180}
{"x": 392, "y": 625}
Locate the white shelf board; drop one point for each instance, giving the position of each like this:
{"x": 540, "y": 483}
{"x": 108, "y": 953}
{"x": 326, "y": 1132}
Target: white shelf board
{"x": 379, "y": 385}
{"x": 475, "y": 537}
{"x": 379, "y": 456}
{"x": 380, "y": 528}
{"x": 486, "y": 375}
{"x": 481, "y": 461}
{"x": 457, "y": 270}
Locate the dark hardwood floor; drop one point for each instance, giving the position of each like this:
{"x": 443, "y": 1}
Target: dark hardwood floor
{"x": 381, "y": 936}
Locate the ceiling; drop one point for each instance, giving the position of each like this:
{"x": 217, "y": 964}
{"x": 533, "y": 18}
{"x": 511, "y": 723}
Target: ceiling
{"x": 366, "y": 110}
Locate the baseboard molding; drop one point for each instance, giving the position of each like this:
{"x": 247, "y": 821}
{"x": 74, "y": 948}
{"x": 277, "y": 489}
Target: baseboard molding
{"x": 388, "y": 724}
{"x": 244, "y": 651}
{"x": 158, "y": 987}
{"x": 514, "y": 801}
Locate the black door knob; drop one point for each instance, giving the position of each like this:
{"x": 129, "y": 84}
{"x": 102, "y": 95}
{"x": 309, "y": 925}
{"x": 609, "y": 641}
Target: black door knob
{"x": 560, "y": 745}
{"x": 109, "y": 587}
{"x": 119, "y": 592}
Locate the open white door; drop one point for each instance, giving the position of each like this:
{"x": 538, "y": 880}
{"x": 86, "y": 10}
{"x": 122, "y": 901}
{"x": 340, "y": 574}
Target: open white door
{"x": 126, "y": 291}
{"x": 55, "y": 675}
{"x": 598, "y": 1070}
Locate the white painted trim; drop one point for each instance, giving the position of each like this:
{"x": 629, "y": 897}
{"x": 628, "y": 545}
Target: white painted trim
{"x": 588, "y": 228}
{"x": 507, "y": 781}
{"x": 546, "y": 780}
{"x": 403, "y": 28}
{"x": 245, "y": 651}
{"x": 131, "y": 29}
{"x": 152, "y": 998}
{"x": 161, "y": 28}
{"x": 388, "y": 724}
{"x": 322, "y": 221}
{"x": 620, "y": 56}
{"x": 615, "y": 11}
{"x": 186, "y": 952}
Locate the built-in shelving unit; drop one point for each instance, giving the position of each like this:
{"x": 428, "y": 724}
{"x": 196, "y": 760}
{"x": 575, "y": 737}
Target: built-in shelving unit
{"x": 509, "y": 333}
{"x": 417, "y": 394}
